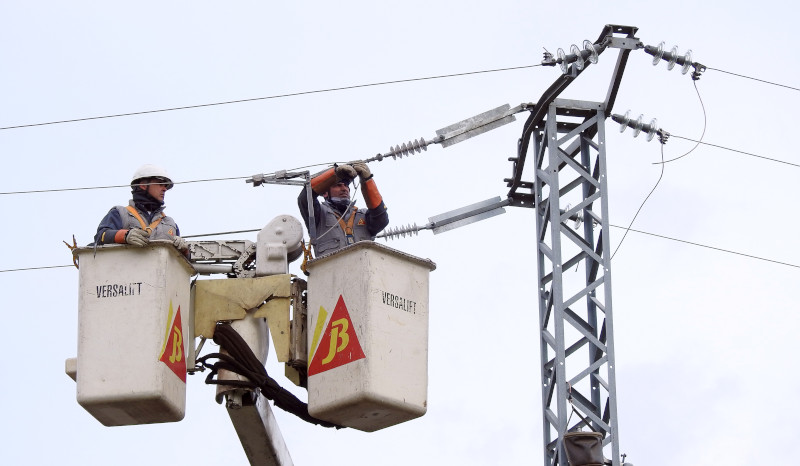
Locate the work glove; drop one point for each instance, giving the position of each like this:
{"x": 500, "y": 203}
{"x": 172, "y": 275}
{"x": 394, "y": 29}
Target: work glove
{"x": 362, "y": 169}
{"x": 180, "y": 244}
{"x": 137, "y": 237}
{"x": 346, "y": 172}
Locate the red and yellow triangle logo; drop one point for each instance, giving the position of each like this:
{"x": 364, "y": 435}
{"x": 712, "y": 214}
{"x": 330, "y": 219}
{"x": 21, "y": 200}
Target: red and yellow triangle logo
{"x": 172, "y": 349}
{"x": 339, "y": 344}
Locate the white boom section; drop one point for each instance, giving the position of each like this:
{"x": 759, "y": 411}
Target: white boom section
{"x": 250, "y": 412}
{"x": 278, "y": 243}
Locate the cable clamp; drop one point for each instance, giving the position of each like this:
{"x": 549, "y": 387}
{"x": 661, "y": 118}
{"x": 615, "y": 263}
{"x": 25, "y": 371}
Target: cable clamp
{"x": 663, "y": 136}
{"x": 698, "y": 70}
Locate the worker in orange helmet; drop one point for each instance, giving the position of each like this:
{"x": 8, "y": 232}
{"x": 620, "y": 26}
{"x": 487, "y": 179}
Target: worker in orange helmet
{"x": 338, "y": 221}
{"x": 143, "y": 219}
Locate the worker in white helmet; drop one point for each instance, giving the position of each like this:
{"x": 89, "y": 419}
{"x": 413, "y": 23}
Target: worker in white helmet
{"x": 338, "y": 221}
{"x": 143, "y": 219}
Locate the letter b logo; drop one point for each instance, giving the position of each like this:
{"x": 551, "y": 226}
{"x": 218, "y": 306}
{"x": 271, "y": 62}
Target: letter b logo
{"x": 339, "y": 339}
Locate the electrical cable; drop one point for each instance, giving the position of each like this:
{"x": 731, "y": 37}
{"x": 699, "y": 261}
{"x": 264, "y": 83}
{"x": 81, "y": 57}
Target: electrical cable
{"x": 736, "y": 150}
{"x": 277, "y": 96}
{"x": 705, "y": 125}
{"x": 615, "y": 226}
{"x": 661, "y": 176}
{"x": 330, "y": 163}
{"x": 220, "y": 233}
{"x": 642, "y": 205}
{"x": 37, "y": 268}
{"x": 754, "y": 79}
{"x": 711, "y": 247}
{"x": 35, "y": 191}
{"x": 334, "y": 89}
{"x": 241, "y": 360}
{"x": 698, "y": 142}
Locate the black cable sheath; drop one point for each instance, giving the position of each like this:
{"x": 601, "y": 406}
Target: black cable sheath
{"x": 241, "y": 360}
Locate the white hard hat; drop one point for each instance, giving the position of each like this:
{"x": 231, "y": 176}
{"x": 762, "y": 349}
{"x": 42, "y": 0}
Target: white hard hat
{"x": 151, "y": 171}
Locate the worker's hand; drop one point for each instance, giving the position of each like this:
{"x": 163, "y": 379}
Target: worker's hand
{"x": 346, "y": 171}
{"x": 180, "y": 244}
{"x": 137, "y": 237}
{"x": 362, "y": 169}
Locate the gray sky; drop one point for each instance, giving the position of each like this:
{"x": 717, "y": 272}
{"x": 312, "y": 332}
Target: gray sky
{"x": 701, "y": 335}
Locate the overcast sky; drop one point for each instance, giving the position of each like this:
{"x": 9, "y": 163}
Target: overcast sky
{"x": 705, "y": 339}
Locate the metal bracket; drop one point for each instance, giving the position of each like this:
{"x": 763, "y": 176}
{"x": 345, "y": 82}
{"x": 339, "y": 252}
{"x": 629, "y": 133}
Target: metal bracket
{"x": 279, "y": 177}
{"x": 297, "y": 366}
{"x": 226, "y": 300}
{"x": 278, "y": 244}
{"x": 478, "y": 124}
{"x": 232, "y": 257}
{"x": 454, "y": 219}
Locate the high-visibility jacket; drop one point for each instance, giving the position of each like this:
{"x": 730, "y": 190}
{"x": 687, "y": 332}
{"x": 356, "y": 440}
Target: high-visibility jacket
{"x": 336, "y": 231}
{"x": 120, "y": 219}
{"x": 331, "y": 231}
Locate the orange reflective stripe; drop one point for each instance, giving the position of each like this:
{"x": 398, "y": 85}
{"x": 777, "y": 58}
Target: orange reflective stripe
{"x": 145, "y": 227}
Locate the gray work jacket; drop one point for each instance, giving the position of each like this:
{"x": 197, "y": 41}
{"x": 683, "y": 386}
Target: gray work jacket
{"x": 331, "y": 236}
{"x": 165, "y": 229}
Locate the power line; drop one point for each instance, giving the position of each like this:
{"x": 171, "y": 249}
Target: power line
{"x": 698, "y": 142}
{"x": 277, "y": 96}
{"x": 37, "y": 268}
{"x": 34, "y": 191}
{"x": 642, "y": 205}
{"x": 615, "y": 226}
{"x": 54, "y": 190}
{"x": 735, "y": 150}
{"x": 221, "y": 233}
{"x": 705, "y": 125}
{"x": 711, "y": 247}
{"x": 754, "y": 79}
{"x": 333, "y": 89}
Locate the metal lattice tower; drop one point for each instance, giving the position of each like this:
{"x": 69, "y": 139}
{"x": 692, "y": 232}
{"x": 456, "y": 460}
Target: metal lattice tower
{"x": 574, "y": 277}
{"x": 569, "y": 193}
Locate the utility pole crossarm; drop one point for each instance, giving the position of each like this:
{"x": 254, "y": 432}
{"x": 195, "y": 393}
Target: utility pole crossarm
{"x": 569, "y": 63}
